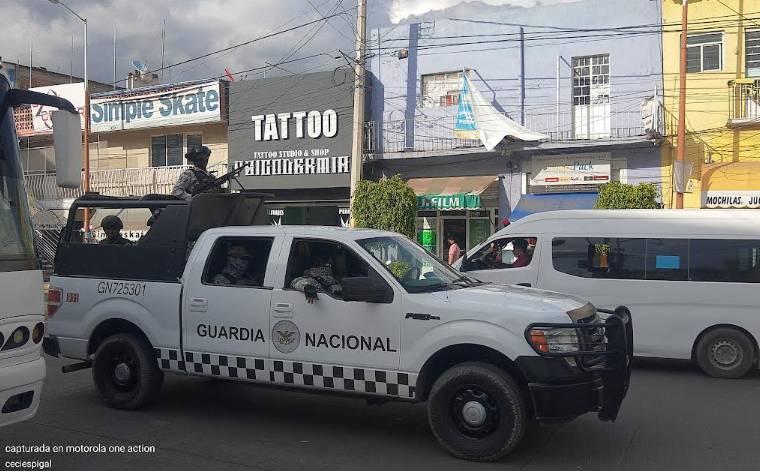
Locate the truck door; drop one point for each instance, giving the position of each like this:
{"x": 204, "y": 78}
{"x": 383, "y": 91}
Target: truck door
{"x": 324, "y": 337}
{"x": 509, "y": 260}
{"x": 225, "y": 307}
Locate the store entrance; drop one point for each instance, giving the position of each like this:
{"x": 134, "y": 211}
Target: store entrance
{"x": 311, "y": 216}
{"x": 457, "y": 228}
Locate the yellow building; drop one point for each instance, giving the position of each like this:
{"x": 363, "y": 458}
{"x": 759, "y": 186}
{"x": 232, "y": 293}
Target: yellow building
{"x": 722, "y": 159}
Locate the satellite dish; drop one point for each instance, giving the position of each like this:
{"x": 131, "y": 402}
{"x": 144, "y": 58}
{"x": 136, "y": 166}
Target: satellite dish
{"x": 139, "y": 66}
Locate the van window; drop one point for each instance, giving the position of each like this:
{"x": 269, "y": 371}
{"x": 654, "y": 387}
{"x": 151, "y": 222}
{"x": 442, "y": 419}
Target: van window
{"x": 667, "y": 259}
{"x": 715, "y": 260}
{"x": 514, "y": 252}
{"x": 596, "y": 257}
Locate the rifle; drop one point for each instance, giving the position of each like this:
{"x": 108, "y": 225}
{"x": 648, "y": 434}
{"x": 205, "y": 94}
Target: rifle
{"x": 219, "y": 181}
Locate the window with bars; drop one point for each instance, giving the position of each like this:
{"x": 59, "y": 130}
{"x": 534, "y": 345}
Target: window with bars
{"x": 166, "y": 150}
{"x": 752, "y": 53}
{"x": 591, "y": 79}
{"x": 704, "y": 52}
{"x": 441, "y": 89}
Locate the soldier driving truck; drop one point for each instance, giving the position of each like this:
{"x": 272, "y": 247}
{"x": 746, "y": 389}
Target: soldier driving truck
{"x": 487, "y": 359}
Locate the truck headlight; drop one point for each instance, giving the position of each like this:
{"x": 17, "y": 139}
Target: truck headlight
{"x": 554, "y": 340}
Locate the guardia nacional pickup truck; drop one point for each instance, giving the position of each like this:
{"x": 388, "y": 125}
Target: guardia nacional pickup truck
{"x": 212, "y": 290}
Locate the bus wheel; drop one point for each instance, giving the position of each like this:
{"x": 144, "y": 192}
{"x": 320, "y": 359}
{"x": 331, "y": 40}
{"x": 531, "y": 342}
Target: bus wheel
{"x": 477, "y": 412}
{"x": 125, "y": 372}
{"x": 725, "y": 353}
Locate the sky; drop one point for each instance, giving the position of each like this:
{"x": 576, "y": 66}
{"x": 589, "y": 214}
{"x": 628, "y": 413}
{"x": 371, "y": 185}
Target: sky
{"x": 197, "y": 27}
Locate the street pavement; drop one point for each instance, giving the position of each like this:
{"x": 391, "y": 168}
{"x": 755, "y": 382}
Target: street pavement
{"x": 674, "y": 418}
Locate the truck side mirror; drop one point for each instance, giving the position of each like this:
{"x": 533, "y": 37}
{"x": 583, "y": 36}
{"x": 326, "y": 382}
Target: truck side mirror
{"x": 67, "y": 141}
{"x": 370, "y": 289}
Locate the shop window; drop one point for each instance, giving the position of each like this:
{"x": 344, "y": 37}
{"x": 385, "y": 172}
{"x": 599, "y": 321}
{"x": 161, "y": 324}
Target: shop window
{"x": 193, "y": 141}
{"x": 166, "y": 151}
{"x": 667, "y": 259}
{"x": 440, "y": 90}
{"x": 704, "y": 52}
{"x": 728, "y": 261}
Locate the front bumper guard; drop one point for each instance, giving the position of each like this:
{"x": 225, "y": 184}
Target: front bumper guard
{"x": 614, "y": 347}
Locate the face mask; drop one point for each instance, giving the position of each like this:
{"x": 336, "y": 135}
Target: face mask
{"x": 238, "y": 264}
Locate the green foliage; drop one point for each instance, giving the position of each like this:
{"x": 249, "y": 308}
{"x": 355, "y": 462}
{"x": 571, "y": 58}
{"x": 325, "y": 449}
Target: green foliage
{"x": 616, "y": 195}
{"x": 389, "y": 204}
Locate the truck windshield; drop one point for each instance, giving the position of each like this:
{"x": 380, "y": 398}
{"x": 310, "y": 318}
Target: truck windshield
{"x": 16, "y": 235}
{"x": 413, "y": 267}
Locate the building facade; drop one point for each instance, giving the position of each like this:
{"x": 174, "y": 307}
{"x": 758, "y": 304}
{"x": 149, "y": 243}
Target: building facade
{"x": 294, "y": 134}
{"x": 566, "y": 73}
{"x": 721, "y": 163}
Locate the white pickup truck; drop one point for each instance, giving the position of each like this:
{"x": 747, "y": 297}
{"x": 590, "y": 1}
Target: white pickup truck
{"x": 366, "y": 312}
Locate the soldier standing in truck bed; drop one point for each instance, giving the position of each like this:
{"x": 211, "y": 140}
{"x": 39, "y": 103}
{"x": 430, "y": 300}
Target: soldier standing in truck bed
{"x": 193, "y": 180}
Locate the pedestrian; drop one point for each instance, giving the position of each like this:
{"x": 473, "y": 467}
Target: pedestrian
{"x": 112, "y": 226}
{"x": 193, "y": 180}
{"x": 454, "y": 251}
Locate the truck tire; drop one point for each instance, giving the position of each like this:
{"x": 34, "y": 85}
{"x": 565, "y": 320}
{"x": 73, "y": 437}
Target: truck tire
{"x": 477, "y": 412}
{"x": 126, "y": 373}
{"x": 725, "y": 353}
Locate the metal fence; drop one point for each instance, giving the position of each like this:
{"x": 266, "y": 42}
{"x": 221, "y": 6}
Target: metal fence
{"x": 425, "y": 134}
{"x": 744, "y": 101}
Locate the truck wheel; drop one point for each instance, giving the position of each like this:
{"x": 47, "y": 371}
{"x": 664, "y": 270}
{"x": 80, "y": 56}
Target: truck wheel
{"x": 725, "y": 353}
{"x": 125, "y": 372}
{"x": 477, "y": 412}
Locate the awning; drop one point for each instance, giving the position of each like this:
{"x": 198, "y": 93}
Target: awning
{"x": 731, "y": 185}
{"x": 530, "y": 204}
{"x": 451, "y": 193}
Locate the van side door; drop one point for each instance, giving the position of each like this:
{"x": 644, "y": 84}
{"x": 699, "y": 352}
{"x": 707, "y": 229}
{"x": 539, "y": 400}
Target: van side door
{"x": 511, "y": 260}
{"x": 225, "y": 305}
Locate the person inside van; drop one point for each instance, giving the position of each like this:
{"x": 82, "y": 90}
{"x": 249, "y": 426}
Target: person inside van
{"x": 520, "y": 251}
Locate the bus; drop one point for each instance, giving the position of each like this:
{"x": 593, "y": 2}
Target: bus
{"x": 22, "y": 313}
{"x": 689, "y": 277}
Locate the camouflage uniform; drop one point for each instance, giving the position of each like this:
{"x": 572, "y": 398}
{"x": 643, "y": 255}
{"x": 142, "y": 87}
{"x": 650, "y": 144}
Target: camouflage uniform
{"x": 321, "y": 278}
{"x": 190, "y": 180}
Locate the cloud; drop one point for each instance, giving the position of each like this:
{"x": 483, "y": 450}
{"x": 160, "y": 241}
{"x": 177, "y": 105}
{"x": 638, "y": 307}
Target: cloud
{"x": 196, "y": 27}
{"x": 403, "y": 9}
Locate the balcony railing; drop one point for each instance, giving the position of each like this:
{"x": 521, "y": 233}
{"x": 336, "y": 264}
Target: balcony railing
{"x": 437, "y": 134}
{"x": 115, "y": 182}
{"x": 744, "y": 102}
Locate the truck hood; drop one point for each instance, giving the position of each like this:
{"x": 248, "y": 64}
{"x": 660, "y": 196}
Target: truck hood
{"x": 491, "y": 301}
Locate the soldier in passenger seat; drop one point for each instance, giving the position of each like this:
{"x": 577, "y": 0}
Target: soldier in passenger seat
{"x": 318, "y": 278}
{"x": 235, "y": 271}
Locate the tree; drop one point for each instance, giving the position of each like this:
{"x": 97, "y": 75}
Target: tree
{"x": 616, "y": 195}
{"x": 388, "y": 204}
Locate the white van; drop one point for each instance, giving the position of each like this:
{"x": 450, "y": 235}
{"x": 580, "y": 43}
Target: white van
{"x": 690, "y": 277}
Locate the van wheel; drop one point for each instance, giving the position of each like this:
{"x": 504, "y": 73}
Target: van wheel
{"x": 476, "y": 411}
{"x": 126, "y": 373}
{"x": 725, "y": 353}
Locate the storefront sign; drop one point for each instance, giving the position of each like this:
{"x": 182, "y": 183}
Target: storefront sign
{"x": 731, "y": 199}
{"x": 42, "y": 115}
{"x": 198, "y": 103}
{"x": 554, "y": 173}
{"x": 295, "y": 131}
{"x": 448, "y": 202}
